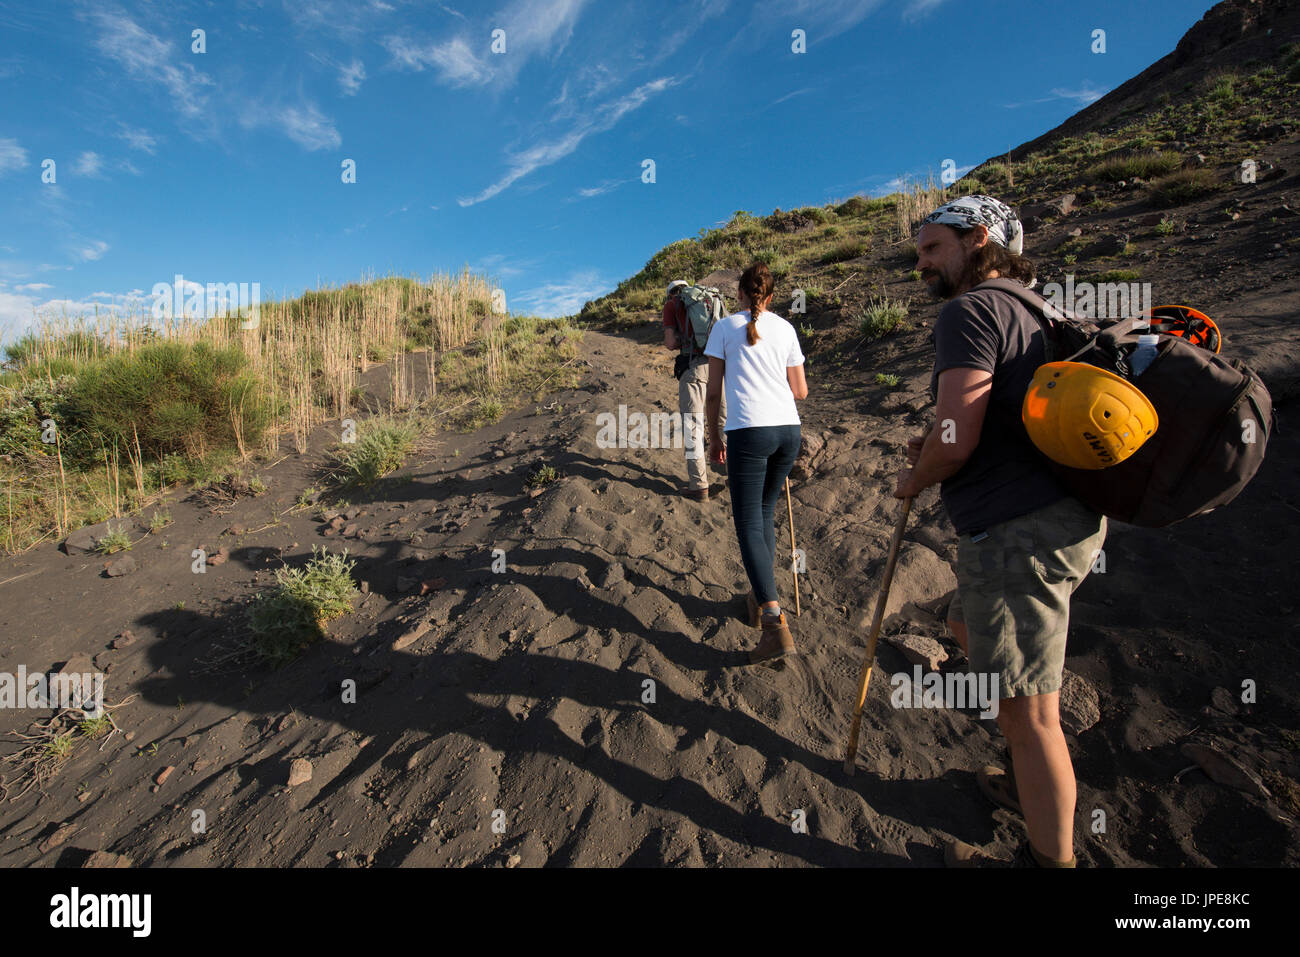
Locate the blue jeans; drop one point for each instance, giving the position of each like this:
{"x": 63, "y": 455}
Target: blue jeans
{"x": 758, "y": 461}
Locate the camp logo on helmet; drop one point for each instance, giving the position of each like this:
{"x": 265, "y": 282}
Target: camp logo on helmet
{"x": 1102, "y": 452}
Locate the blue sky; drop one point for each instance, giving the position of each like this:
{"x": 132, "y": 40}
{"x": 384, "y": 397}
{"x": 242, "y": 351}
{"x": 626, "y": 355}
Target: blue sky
{"x": 225, "y": 165}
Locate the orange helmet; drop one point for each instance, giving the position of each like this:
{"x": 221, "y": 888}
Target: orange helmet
{"x": 1085, "y": 417}
{"x": 1187, "y": 323}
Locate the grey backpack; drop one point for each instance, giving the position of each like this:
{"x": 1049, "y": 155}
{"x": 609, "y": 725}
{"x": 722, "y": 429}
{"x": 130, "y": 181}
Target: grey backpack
{"x": 1216, "y": 417}
{"x": 704, "y": 307}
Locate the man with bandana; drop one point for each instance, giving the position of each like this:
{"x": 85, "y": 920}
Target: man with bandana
{"x": 1024, "y": 545}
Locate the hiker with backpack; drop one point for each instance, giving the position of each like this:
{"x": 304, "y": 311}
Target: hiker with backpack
{"x": 1048, "y": 425}
{"x": 756, "y": 368}
{"x": 1024, "y": 544}
{"x": 688, "y": 316}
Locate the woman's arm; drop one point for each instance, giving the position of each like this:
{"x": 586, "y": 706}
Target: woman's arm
{"x": 712, "y": 409}
{"x": 798, "y": 384}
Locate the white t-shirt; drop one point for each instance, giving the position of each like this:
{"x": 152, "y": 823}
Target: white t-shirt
{"x": 758, "y": 393}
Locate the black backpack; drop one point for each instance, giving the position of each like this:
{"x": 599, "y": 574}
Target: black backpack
{"x": 1215, "y": 419}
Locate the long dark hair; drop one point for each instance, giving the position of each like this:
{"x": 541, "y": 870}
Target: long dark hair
{"x": 990, "y": 257}
{"x": 756, "y": 283}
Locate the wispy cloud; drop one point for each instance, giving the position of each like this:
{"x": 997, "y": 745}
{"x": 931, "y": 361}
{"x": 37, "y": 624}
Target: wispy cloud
{"x": 33, "y": 286}
{"x": 151, "y": 59}
{"x": 89, "y": 164}
{"x": 93, "y": 251}
{"x": 563, "y": 297}
{"x": 532, "y": 28}
{"x": 1085, "y": 95}
{"x": 12, "y": 156}
{"x": 456, "y": 62}
{"x": 306, "y": 125}
{"x": 604, "y": 187}
{"x": 138, "y": 139}
{"x": 351, "y": 77}
{"x": 503, "y": 267}
{"x": 544, "y": 154}
{"x": 822, "y": 19}
{"x": 916, "y": 9}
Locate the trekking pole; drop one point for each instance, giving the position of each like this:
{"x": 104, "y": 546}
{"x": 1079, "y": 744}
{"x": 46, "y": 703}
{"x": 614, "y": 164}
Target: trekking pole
{"x": 851, "y": 755}
{"x": 794, "y": 553}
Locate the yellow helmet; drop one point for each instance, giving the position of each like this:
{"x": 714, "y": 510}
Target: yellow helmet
{"x": 1085, "y": 417}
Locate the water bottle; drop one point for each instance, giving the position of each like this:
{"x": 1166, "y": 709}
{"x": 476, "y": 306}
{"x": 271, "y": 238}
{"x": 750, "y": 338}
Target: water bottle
{"x": 1142, "y": 356}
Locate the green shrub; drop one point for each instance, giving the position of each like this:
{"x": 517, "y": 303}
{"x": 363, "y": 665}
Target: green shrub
{"x": 850, "y": 249}
{"x": 113, "y": 540}
{"x": 541, "y": 477}
{"x": 286, "y": 619}
{"x": 381, "y": 448}
{"x": 888, "y": 380}
{"x": 1143, "y": 165}
{"x": 1184, "y": 187}
{"x": 881, "y": 317}
{"x": 174, "y": 397}
{"x": 853, "y": 206}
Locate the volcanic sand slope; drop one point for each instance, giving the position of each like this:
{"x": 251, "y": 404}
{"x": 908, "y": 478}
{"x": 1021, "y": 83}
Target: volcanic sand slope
{"x": 526, "y": 693}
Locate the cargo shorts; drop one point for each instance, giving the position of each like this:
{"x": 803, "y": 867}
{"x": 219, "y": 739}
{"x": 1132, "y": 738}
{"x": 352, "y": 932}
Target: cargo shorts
{"x": 1013, "y": 593}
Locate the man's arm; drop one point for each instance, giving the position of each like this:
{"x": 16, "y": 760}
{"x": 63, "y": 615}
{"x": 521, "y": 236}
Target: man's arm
{"x": 959, "y": 417}
{"x": 672, "y": 340}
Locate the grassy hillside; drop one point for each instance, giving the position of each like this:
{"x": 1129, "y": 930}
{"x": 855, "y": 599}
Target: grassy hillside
{"x": 851, "y": 256}
{"x": 103, "y": 416}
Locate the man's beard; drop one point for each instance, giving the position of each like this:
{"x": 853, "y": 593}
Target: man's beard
{"x": 939, "y": 286}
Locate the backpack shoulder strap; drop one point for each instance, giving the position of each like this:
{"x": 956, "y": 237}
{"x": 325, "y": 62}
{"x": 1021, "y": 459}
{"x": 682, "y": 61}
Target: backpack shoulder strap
{"x": 1040, "y": 308}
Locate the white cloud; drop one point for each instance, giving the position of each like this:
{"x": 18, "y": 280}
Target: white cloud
{"x": 12, "y": 156}
{"x": 88, "y": 164}
{"x": 33, "y": 286}
{"x": 565, "y": 297}
{"x": 1083, "y": 96}
{"x": 821, "y": 18}
{"x": 455, "y": 61}
{"x": 151, "y": 59}
{"x": 604, "y": 187}
{"x": 306, "y": 125}
{"x": 544, "y": 154}
{"x": 917, "y": 9}
{"x": 17, "y": 315}
{"x": 532, "y": 28}
{"x": 94, "y": 251}
{"x": 351, "y": 77}
{"x": 138, "y": 139}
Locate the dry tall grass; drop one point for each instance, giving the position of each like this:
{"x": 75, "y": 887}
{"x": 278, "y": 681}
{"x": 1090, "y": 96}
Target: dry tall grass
{"x": 306, "y": 353}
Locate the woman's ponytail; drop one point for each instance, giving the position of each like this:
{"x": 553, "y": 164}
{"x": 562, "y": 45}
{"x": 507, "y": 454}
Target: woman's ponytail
{"x": 756, "y": 283}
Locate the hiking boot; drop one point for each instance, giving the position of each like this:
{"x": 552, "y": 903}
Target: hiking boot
{"x": 961, "y": 854}
{"x": 754, "y": 611}
{"x": 777, "y": 642}
{"x": 696, "y": 494}
{"x": 999, "y": 786}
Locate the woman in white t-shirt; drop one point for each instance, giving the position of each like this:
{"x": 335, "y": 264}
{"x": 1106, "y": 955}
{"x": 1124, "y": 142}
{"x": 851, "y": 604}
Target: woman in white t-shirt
{"x": 755, "y": 356}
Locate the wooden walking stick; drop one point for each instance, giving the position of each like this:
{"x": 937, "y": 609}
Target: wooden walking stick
{"x": 851, "y": 755}
{"x": 794, "y": 553}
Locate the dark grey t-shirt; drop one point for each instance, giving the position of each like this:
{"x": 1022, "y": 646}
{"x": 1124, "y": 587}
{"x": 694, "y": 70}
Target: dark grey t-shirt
{"x": 1005, "y": 477}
